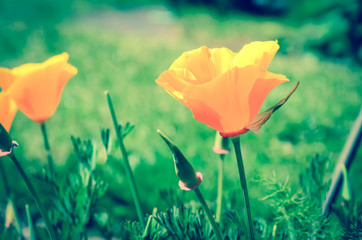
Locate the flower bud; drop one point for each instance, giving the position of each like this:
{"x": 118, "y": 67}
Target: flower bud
{"x": 6, "y": 145}
{"x": 189, "y": 179}
{"x": 221, "y": 144}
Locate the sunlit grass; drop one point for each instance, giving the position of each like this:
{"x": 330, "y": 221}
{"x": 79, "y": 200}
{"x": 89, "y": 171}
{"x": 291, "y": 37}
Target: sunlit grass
{"x": 316, "y": 119}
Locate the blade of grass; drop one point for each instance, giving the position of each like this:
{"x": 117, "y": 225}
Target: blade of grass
{"x": 345, "y": 159}
{"x": 131, "y": 180}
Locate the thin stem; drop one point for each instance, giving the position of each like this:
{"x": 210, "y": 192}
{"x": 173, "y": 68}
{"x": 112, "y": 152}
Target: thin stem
{"x": 220, "y": 187}
{"x": 239, "y": 159}
{"x": 9, "y": 195}
{"x": 35, "y": 197}
{"x": 208, "y": 213}
{"x": 147, "y": 230}
{"x": 30, "y": 223}
{"x": 127, "y": 166}
{"x": 47, "y": 146}
{"x": 5, "y": 179}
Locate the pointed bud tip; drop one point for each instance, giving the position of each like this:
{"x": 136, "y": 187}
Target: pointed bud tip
{"x": 184, "y": 169}
{"x": 165, "y": 138}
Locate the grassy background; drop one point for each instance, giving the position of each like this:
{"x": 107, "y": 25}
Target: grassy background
{"x": 124, "y": 51}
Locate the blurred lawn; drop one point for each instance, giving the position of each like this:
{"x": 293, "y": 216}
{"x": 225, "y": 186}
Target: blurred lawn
{"x": 125, "y": 51}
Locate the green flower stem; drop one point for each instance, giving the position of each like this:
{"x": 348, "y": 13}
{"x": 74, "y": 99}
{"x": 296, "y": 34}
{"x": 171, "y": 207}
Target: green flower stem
{"x": 127, "y": 166}
{"x": 219, "y": 187}
{"x": 9, "y": 195}
{"x": 5, "y": 180}
{"x": 239, "y": 159}
{"x": 47, "y": 146}
{"x": 208, "y": 213}
{"x": 35, "y": 197}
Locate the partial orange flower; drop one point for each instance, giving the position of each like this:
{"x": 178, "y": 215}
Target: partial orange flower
{"x": 8, "y": 110}
{"x": 223, "y": 89}
{"x": 37, "y": 87}
{"x": 8, "y": 107}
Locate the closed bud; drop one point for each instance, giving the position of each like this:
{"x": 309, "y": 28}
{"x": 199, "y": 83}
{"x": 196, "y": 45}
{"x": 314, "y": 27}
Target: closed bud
{"x": 6, "y": 145}
{"x": 189, "y": 179}
{"x": 221, "y": 144}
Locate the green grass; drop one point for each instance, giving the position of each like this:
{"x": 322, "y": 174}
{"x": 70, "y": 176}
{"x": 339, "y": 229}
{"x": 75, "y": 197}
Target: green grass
{"x": 126, "y": 62}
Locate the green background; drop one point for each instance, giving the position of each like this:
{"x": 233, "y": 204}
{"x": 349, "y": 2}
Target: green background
{"x": 124, "y": 46}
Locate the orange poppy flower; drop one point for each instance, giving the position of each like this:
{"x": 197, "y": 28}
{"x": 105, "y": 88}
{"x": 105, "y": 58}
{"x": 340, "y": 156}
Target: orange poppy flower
{"x": 37, "y": 87}
{"x": 223, "y": 89}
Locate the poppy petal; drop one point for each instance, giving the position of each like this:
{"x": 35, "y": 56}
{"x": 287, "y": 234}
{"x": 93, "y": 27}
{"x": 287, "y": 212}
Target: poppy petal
{"x": 174, "y": 81}
{"x": 222, "y": 59}
{"x": 261, "y": 89}
{"x": 8, "y": 110}
{"x": 225, "y": 99}
{"x": 6, "y": 78}
{"x": 204, "y": 113}
{"x": 57, "y": 59}
{"x": 66, "y": 72}
{"x": 259, "y": 53}
{"x": 198, "y": 62}
{"x": 26, "y": 69}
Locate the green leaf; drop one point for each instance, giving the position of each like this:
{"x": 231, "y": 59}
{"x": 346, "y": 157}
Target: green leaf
{"x": 125, "y": 129}
{"x": 105, "y": 135}
{"x": 147, "y": 232}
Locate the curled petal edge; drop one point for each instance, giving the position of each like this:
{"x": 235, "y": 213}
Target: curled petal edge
{"x": 5, "y": 153}
{"x": 183, "y": 186}
{"x": 262, "y": 117}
